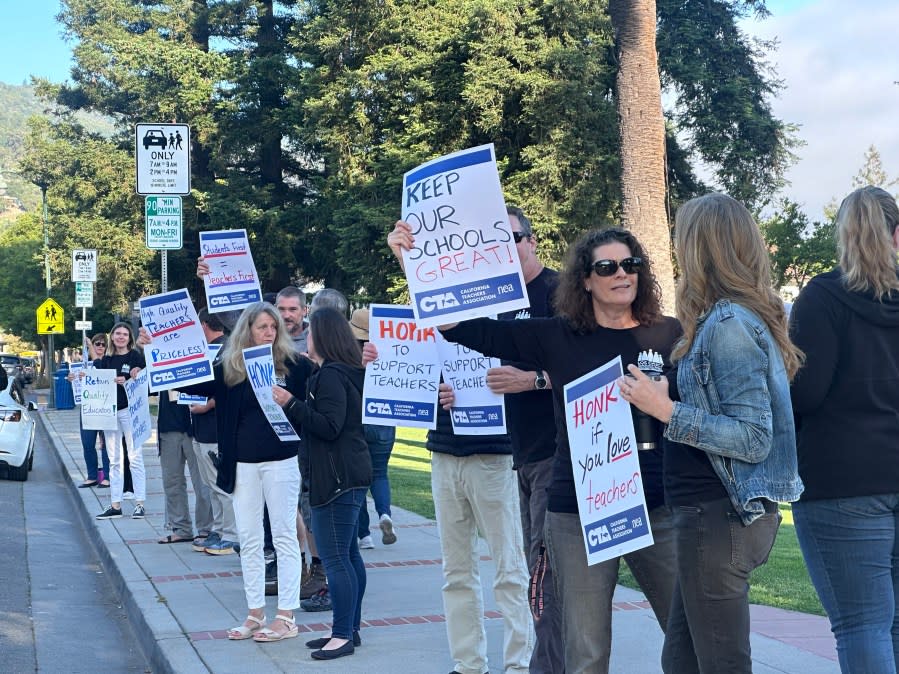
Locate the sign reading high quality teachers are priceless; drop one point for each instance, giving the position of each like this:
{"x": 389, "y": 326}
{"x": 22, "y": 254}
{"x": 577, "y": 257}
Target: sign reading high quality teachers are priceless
{"x": 606, "y": 469}
{"x": 177, "y": 354}
{"x": 401, "y": 385}
{"x": 464, "y": 263}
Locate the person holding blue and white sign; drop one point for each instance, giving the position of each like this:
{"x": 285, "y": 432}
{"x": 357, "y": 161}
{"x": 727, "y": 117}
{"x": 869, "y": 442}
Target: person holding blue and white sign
{"x": 607, "y": 304}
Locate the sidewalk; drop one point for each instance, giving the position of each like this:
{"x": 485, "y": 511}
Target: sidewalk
{"x": 182, "y": 602}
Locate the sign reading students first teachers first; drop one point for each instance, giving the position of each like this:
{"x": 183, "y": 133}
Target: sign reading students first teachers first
{"x": 464, "y": 263}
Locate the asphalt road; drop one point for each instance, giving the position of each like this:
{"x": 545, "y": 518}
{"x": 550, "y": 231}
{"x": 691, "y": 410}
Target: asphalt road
{"x": 58, "y": 612}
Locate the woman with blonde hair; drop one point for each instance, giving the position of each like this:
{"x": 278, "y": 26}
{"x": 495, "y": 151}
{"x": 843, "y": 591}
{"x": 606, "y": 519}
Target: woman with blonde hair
{"x": 733, "y": 451}
{"x": 257, "y": 467}
{"x": 846, "y": 401}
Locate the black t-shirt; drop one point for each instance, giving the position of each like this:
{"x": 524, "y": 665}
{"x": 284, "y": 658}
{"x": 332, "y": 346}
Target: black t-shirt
{"x": 122, "y": 363}
{"x": 256, "y": 439}
{"x": 565, "y": 355}
{"x": 532, "y": 438}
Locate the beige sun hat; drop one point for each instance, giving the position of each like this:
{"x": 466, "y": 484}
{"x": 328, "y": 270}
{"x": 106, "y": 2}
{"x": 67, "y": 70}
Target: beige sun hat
{"x": 359, "y": 324}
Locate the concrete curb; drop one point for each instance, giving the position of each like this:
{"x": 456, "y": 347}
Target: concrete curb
{"x": 161, "y": 638}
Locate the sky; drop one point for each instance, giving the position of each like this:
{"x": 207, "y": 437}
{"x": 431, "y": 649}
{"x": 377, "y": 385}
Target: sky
{"x": 839, "y": 61}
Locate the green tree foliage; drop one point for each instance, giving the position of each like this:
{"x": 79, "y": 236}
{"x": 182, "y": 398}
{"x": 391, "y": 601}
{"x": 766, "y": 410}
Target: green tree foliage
{"x": 798, "y": 249}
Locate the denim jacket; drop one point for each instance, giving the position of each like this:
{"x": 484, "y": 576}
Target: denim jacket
{"x": 735, "y": 405}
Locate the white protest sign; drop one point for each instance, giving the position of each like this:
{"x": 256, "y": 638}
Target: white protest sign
{"x": 261, "y": 373}
{"x": 401, "y": 385}
{"x": 139, "y": 407}
{"x": 98, "y": 400}
{"x": 76, "y": 368}
{"x": 177, "y": 354}
{"x": 464, "y": 263}
{"x": 607, "y": 475}
{"x": 190, "y": 399}
{"x": 477, "y": 410}
{"x": 232, "y": 281}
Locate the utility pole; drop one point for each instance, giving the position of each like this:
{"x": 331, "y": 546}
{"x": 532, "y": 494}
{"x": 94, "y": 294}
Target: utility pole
{"x": 51, "y": 356}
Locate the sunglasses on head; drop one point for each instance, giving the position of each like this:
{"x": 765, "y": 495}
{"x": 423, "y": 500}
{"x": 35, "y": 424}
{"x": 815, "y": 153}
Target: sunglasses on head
{"x": 630, "y": 265}
{"x": 520, "y": 236}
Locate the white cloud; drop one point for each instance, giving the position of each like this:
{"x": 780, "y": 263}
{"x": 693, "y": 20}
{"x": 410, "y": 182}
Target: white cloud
{"x": 839, "y": 63}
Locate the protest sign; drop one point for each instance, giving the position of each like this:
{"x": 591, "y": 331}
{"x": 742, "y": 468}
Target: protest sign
{"x": 261, "y": 373}
{"x": 139, "y": 407}
{"x": 607, "y": 475}
{"x": 401, "y": 385}
{"x": 464, "y": 263}
{"x": 189, "y": 399}
{"x": 75, "y": 369}
{"x": 177, "y": 353}
{"x": 232, "y": 282}
{"x": 98, "y": 400}
{"x": 477, "y": 410}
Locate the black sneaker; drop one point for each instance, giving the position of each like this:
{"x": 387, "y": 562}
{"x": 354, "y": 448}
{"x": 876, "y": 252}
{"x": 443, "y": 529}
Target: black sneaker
{"x": 138, "y": 513}
{"x": 110, "y": 514}
{"x": 271, "y": 578}
{"x": 321, "y": 601}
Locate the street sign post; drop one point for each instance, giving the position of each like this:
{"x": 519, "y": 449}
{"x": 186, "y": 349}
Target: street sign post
{"x": 164, "y": 222}
{"x": 84, "y": 294}
{"x": 84, "y": 265}
{"x": 162, "y": 156}
{"x": 50, "y": 318}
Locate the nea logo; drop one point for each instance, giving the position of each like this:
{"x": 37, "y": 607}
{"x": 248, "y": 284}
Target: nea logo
{"x": 437, "y": 302}
{"x": 378, "y": 408}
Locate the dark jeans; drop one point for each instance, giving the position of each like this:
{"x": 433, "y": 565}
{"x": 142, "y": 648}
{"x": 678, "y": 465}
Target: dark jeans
{"x": 89, "y": 445}
{"x": 380, "y": 441}
{"x": 708, "y": 626}
{"x": 334, "y": 526}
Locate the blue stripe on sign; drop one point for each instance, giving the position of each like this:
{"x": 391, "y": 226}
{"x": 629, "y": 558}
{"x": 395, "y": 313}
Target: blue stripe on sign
{"x": 164, "y": 299}
{"x": 257, "y": 352}
{"x": 602, "y": 378}
{"x": 459, "y": 161}
{"x": 393, "y": 312}
{"x": 212, "y": 236}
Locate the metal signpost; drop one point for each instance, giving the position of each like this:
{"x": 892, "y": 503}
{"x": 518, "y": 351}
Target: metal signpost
{"x": 164, "y": 229}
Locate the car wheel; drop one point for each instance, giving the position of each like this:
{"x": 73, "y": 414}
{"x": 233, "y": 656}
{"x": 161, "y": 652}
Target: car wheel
{"x": 19, "y": 474}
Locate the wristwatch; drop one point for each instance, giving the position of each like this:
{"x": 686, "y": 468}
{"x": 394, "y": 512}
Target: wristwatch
{"x": 540, "y": 381}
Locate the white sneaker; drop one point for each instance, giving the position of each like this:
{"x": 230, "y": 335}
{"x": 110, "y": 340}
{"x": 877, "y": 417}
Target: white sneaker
{"x": 128, "y": 496}
{"x": 388, "y": 537}
{"x": 366, "y": 543}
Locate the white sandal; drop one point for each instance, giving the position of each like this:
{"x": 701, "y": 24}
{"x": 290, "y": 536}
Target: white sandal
{"x": 266, "y": 634}
{"x": 243, "y": 632}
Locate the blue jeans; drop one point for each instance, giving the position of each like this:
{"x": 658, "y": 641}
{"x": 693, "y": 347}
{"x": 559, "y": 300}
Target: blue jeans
{"x": 89, "y": 445}
{"x": 380, "y": 444}
{"x": 850, "y": 548}
{"x": 708, "y": 625}
{"x": 334, "y": 527}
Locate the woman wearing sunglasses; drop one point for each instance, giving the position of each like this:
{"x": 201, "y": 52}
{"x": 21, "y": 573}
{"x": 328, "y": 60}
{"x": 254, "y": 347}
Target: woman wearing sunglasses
{"x": 607, "y": 305}
{"x": 96, "y": 349}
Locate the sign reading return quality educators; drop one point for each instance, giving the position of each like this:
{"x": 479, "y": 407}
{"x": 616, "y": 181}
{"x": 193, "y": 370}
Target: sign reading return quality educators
{"x": 98, "y": 400}
{"x": 232, "y": 281}
{"x": 477, "y": 410}
{"x": 401, "y": 385}
{"x": 606, "y": 469}
{"x": 177, "y": 355}
{"x": 464, "y": 263}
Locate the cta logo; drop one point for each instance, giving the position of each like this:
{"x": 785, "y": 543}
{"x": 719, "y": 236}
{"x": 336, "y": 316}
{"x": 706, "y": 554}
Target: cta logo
{"x": 597, "y": 536}
{"x": 438, "y": 302}
{"x": 378, "y": 408}
{"x": 460, "y": 416}
{"x": 219, "y": 301}
{"x": 162, "y": 377}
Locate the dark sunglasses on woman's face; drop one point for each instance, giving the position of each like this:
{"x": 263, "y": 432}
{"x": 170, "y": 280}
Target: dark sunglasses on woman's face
{"x": 99, "y": 345}
{"x": 630, "y": 265}
{"x": 520, "y": 236}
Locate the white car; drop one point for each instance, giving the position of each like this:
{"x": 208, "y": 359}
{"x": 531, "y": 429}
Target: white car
{"x": 16, "y": 431}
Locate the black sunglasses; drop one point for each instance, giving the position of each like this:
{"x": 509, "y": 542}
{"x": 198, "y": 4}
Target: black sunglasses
{"x": 630, "y": 265}
{"x": 520, "y": 236}
{"x": 103, "y": 344}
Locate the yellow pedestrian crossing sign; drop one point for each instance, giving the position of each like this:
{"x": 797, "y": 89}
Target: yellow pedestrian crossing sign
{"x": 50, "y": 318}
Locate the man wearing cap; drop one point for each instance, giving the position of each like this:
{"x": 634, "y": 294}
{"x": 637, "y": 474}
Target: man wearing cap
{"x": 380, "y": 441}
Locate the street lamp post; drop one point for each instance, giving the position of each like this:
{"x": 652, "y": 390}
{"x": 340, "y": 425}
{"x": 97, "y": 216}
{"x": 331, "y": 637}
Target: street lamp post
{"x": 51, "y": 360}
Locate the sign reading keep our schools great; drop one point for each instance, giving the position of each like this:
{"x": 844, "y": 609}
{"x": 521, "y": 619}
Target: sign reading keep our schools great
{"x": 232, "y": 281}
{"x": 401, "y": 385}
{"x": 177, "y": 355}
{"x": 607, "y": 477}
{"x": 464, "y": 263}
{"x": 477, "y": 410}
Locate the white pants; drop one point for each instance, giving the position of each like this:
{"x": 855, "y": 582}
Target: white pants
{"x": 277, "y": 484}
{"x": 471, "y": 494}
{"x": 117, "y": 460}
